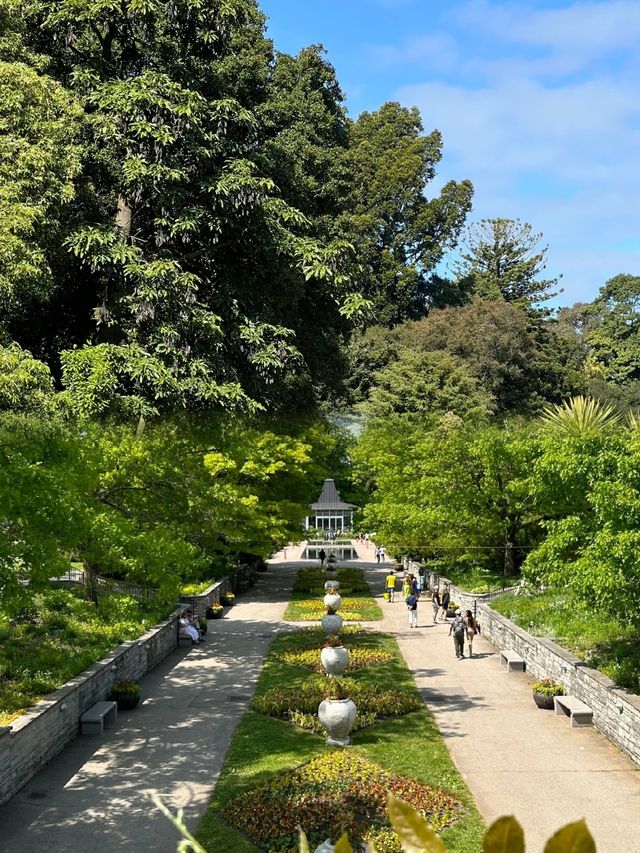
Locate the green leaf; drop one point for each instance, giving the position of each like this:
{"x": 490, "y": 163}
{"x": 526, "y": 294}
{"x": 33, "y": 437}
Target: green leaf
{"x": 572, "y": 838}
{"x": 342, "y": 844}
{"x": 505, "y": 835}
{"x": 304, "y": 844}
{"x": 415, "y": 835}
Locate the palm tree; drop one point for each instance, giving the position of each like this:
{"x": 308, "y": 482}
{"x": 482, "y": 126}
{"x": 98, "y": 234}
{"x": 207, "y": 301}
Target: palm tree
{"x": 581, "y": 417}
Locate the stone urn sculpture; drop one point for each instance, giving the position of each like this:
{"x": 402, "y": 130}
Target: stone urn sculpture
{"x": 332, "y": 586}
{"x": 332, "y": 601}
{"x": 331, "y": 623}
{"x": 337, "y": 716}
{"x": 334, "y": 657}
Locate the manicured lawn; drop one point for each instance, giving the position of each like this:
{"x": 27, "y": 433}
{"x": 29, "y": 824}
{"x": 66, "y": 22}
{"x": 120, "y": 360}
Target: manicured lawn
{"x": 58, "y": 636}
{"x": 605, "y": 643}
{"x": 474, "y": 578}
{"x": 407, "y": 745}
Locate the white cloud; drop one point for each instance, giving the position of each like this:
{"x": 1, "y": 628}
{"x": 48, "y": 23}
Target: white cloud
{"x": 546, "y": 129}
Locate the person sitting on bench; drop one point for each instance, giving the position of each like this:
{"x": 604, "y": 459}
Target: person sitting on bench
{"x": 187, "y": 628}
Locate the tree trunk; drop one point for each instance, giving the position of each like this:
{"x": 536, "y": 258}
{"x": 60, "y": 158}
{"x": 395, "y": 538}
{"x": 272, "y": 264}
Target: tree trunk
{"x": 124, "y": 216}
{"x": 90, "y": 582}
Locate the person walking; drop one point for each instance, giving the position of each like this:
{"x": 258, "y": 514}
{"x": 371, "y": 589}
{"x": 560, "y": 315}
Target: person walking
{"x": 446, "y": 598}
{"x": 390, "y": 585}
{"x": 414, "y": 586}
{"x": 406, "y": 586}
{"x": 458, "y": 629}
{"x": 435, "y": 598}
{"x": 383, "y": 554}
{"x": 412, "y": 607}
{"x": 377, "y": 555}
{"x": 471, "y": 630}
{"x": 323, "y": 557}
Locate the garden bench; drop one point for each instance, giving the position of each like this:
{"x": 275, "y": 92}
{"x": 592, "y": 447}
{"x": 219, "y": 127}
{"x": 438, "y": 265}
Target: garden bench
{"x": 184, "y": 640}
{"x": 512, "y": 660}
{"x": 93, "y": 721}
{"x": 580, "y": 714}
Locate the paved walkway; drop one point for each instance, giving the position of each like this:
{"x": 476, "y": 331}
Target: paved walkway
{"x": 91, "y": 795}
{"x": 515, "y": 758}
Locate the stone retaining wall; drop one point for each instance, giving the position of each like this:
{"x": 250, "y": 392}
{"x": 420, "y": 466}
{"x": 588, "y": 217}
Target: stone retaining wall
{"x": 616, "y": 711}
{"x": 41, "y": 733}
{"x": 211, "y": 595}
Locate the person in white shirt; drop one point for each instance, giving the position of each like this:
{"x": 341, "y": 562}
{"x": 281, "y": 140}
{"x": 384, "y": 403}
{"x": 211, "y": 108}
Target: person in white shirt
{"x": 185, "y": 626}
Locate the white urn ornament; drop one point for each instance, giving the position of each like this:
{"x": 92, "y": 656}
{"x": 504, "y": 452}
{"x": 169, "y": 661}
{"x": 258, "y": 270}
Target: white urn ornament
{"x": 331, "y": 573}
{"x": 331, "y": 585}
{"x": 325, "y": 847}
{"x": 331, "y": 623}
{"x": 334, "y": 660}
{"x": 332, "y": 601}
{"x": 337, "y": 716}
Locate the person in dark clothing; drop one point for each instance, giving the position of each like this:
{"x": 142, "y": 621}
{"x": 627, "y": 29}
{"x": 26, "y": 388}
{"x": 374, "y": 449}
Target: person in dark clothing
{"x": 458, "y": 629}
{"x": 446, "y": 598}
{"x": 323, "y": 556}
{"x": 412, "y": 606}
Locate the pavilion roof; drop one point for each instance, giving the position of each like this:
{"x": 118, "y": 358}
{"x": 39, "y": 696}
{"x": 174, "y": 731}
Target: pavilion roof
{"x": 330, "y": 498}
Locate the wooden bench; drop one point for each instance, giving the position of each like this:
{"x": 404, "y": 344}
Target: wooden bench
{"x": 184, "y": 640}
{"x": 512, "y": 661}
{"x": 580, "y": 714}
{"x": 93, "y": 721}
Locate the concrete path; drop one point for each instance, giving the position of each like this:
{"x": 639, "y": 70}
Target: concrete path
{"x": 91, "y": 795}
{"x": 515, "y": 758}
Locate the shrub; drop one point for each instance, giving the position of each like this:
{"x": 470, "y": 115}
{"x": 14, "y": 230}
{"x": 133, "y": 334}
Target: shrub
{"x": 337, "y": 792}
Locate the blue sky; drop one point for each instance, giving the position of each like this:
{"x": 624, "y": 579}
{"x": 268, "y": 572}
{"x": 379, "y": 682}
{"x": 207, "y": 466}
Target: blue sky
{"x": 538, "y": 103}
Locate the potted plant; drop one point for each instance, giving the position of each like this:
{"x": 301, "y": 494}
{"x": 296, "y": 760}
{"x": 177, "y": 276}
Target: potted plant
{"x": 334, "y": 657}
{"x": 215, "y": 611}
{"x": 337, "y": 713}
{"x": 126, "y": 694}
{"x": 544, "y": 691}
{"x": 203, "y": 625}
{"x": 228, "y": 599}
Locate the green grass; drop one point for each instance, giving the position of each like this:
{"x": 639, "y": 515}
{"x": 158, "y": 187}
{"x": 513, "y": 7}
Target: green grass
{"x": 59, "y": 635}
{"x": 605, "y": 643}
{"x": 409, "y": 745}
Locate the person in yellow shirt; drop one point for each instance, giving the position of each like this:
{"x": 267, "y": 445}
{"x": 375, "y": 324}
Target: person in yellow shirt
{"x": 390, "y": 585}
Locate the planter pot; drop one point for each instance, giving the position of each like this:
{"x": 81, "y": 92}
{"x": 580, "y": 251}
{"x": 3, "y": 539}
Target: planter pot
{"x": 214, "y": 614}
{"x": 334, "y": 659}
{"x": 337, "y": 716}
{"x": 126, "y": 702}
{"x": 226, "y": 601}
{"x": 332, "y": 600}
{"x": 331, "y": 623}
{"x": 331, "y": 586}
{"x": 203, "y": 627}
{"x": 543, "y": 701}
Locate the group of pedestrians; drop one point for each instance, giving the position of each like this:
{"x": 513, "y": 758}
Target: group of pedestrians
{"x": 463, "y": 627}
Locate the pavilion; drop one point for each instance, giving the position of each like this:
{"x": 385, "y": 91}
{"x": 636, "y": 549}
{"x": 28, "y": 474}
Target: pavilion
{"x": 330, "y": 512}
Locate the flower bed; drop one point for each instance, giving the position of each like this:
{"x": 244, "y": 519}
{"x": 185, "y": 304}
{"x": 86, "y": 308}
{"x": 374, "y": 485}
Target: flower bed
{"x": 352, "y": 609}
{"x": 358, "y": 658}
{"x": 312, "y": 581}
{"x": 287, "y": 702}
{"x": 335, "y": 792}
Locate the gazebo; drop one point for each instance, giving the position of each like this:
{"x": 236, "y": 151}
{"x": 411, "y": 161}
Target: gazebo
{"x": 330, "y": 512}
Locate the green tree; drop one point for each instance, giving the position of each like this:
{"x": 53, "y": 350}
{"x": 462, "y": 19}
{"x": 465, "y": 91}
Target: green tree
{"x": 500, "y": 259}
{"x": 426, "y": 384}
{"x": 398, "y": 233}
{"x": 613, "y": 330}
{"x": 461, "y": 491}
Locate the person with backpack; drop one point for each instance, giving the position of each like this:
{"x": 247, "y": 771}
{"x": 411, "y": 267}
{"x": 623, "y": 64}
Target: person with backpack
{"x": 412, "y": 606}
{"x": 390, "y": 585}
{"x": 458, "y": 629}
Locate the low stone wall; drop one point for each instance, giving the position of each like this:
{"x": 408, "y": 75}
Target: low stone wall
{"x": 36, "y": 737}
{"x": 230, "y": 583}
{"x": 616, "y": 711}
